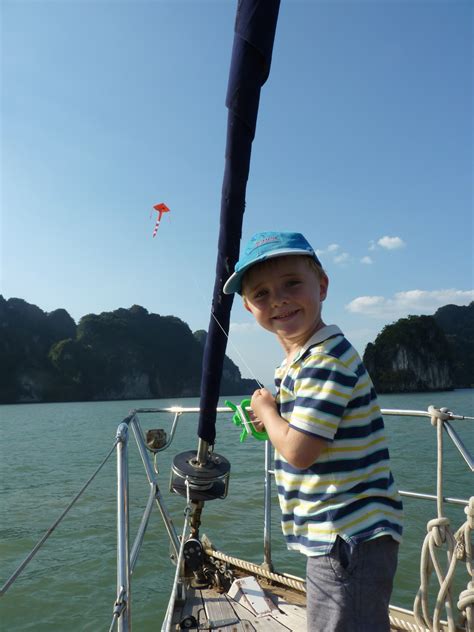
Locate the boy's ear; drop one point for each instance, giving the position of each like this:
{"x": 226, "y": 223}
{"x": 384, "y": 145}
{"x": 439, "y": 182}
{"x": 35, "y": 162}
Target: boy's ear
{"x": 323, "y": 287}
{"x": 246, "y": 306}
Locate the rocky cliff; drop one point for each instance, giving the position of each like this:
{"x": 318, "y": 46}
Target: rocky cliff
{"x": 424, "y": 353}
{"x": 134, "y": 354}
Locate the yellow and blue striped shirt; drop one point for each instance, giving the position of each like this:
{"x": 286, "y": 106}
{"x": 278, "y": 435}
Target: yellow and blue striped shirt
{"x": 349, "y": 491}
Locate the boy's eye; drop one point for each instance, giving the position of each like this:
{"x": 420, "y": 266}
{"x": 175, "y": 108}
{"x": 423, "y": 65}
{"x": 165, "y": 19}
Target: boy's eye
{"x": 259, "y": 294}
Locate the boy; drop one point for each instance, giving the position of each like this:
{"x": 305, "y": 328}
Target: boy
{"x": 339, "y": 503}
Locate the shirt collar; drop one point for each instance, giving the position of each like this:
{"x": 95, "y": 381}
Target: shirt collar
{"x": 328, "y": 331}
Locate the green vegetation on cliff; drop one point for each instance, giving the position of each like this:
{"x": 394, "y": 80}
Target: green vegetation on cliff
{"x": 133, "y": 354}
{"x": 124, "y": 354}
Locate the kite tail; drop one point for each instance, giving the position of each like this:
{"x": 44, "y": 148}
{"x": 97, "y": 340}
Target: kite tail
{"x": 157, "y": 224}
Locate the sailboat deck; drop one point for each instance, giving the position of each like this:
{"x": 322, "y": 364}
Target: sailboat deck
{"x": 210, "y": 610}
{"x": 222, "y": 613}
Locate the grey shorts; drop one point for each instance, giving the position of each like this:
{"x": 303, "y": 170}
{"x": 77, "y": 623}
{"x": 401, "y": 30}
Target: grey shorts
{"x": 349, "y": 590}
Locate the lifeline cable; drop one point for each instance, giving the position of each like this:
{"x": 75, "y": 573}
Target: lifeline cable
{"x": 40, "y": 543}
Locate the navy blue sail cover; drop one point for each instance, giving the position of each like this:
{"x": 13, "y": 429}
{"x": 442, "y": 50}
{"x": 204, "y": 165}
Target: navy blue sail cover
{"x": 255, "y": 27}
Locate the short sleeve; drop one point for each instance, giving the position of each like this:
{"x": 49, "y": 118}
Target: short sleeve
{"x": 322, "y": 389}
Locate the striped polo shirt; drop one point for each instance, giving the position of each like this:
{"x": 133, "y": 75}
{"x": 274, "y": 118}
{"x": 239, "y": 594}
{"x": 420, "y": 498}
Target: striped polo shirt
{"x": 349, "y": 491}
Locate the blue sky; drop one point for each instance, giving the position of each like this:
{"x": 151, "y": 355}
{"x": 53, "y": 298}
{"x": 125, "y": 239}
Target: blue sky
{"x": 364, "y": 144}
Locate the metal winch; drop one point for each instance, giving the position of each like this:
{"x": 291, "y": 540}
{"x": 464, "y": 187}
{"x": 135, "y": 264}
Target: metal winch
{"x": 207, "y": 478}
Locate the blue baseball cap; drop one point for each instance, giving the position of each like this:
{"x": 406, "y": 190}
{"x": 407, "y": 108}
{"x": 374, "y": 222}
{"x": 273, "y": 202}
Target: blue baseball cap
{"x": 263, "y": 246}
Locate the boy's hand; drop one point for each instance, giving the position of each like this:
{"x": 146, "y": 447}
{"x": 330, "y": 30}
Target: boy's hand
{"x": 256, "y": 423}
{"x": 299, "y": 449}
{"x": 262, "y": 403}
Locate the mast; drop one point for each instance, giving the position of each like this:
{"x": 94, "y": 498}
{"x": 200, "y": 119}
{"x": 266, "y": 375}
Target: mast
{"x": 255, "y": 27}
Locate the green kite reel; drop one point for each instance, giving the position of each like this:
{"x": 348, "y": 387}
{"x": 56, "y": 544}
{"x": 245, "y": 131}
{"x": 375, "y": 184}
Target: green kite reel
{"x": 241, "y": 418}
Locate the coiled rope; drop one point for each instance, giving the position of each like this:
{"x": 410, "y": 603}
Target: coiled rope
{"x": 403, "y": 624}
{"x": 457, "y": 547}
{"x": 464, "y": 546}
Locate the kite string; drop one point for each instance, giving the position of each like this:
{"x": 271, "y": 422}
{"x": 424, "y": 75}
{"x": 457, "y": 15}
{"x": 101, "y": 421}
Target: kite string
{"x": 260, "y": 385}
{"x": 162, "y": 208}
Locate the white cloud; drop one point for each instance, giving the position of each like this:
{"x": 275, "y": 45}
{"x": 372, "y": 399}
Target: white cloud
{"x": 391, "y": 243}
{"x": 386, "y": 242}
{"x": 342, "y": 258}
{"x": 410, "y": 302}
{"x": 333, "y": 253}
{"x": 370, "y": 305}
{"x": 331, "y": 249}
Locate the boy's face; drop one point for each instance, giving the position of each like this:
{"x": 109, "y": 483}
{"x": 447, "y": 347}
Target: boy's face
{"x": 285, "y": 295}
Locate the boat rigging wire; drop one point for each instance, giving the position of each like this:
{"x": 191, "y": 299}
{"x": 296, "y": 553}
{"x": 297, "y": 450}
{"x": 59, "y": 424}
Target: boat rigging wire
{"x": 40, "y": 543}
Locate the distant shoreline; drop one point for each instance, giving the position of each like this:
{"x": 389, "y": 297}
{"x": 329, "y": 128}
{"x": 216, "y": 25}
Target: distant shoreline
{"x": 237, "y": 397}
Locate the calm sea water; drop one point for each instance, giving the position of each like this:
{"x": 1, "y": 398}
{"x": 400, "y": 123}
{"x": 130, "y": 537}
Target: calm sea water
{"x": 49, "y": 450}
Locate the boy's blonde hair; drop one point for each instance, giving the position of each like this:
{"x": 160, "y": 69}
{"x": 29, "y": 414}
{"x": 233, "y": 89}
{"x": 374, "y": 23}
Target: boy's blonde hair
{"x": 318, "y": 269}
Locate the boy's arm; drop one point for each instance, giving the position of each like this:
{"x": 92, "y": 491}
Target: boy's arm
{"x": 299, "y": 449}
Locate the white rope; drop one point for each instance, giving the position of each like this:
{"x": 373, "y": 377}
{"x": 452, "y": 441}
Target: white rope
{"x": 402, "y": 624}
{"x": 463, "y": 536}
{"x": 457, "y": 547}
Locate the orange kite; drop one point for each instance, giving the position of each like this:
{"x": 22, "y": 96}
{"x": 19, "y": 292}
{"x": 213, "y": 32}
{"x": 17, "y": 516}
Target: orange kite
{"x": 160, "y": 209}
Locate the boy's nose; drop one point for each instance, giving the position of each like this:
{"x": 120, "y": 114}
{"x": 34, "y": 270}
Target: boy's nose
{"x": 279, "y": 298}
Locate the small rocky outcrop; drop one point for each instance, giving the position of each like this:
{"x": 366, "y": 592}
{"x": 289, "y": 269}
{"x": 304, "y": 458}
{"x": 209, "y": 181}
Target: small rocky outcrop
{"x": 417, "y": 354}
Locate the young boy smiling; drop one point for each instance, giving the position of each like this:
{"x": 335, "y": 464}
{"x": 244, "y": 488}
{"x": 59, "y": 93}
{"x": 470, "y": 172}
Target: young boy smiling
{"x": 339, "y": 503}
